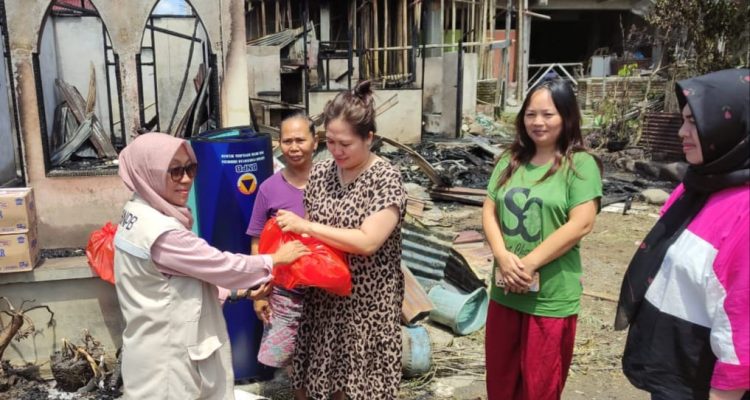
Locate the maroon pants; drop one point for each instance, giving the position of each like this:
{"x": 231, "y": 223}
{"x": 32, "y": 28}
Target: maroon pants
{"x": 527, "y": 356}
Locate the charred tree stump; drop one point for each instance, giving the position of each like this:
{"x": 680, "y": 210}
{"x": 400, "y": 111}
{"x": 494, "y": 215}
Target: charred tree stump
{"x": 74, "y": 367}
{"x": 19, "y": 317}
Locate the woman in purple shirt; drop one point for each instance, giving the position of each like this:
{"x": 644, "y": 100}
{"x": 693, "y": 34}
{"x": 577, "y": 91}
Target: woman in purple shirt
{"x": 280, "y": 311}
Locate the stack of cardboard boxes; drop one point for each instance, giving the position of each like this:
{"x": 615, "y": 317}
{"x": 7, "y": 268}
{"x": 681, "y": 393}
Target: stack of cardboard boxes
{"x": 19, "y": 249}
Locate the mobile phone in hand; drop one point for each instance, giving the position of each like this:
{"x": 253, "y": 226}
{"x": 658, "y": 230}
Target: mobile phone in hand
{"x": 534, "y": 287}
{"x": 499, "y": 281}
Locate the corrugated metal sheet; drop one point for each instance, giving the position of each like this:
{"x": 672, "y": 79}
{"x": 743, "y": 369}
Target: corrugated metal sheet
{"x": 660, "y": 138}
{"x": 425, "y": 252}
{"x": 416, "y": 305}
{"x": 429, "y": 255}
{"x": 281, "y": 39}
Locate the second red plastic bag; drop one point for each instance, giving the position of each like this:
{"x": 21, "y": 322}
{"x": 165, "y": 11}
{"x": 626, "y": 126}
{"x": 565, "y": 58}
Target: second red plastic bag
{"x": 100, "y": 252}
{"x": 325, "y": 268}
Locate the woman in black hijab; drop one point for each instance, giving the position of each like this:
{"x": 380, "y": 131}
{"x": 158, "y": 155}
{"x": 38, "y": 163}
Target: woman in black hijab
{"x": 686, "y": 293}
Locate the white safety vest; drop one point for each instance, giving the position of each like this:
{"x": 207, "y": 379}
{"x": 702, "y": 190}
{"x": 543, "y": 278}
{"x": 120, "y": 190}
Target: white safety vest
{"x": 175, "y": 343}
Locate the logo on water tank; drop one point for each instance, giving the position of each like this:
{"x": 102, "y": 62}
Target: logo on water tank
{"x": 247, "y": 184}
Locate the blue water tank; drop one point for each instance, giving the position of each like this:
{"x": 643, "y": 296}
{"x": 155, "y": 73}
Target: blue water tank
{"x": 233, "y": 162}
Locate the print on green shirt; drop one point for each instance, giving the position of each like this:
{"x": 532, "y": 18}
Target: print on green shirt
{"x": 529, "y": 211}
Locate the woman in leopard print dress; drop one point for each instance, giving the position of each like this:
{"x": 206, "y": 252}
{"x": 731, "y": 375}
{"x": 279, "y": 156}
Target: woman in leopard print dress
{"x": 351, "y": 346}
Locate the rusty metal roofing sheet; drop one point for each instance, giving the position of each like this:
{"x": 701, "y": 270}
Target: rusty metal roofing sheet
{"x": 425, "y": 253}
{"x": 659, "y": 136}
{"x": 430, "y": 256}
{"x": 280, "y": 39}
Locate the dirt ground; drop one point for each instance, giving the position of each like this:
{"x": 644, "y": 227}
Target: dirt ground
{"x": 596, "y": 372}
{"x": 458, "y": 362}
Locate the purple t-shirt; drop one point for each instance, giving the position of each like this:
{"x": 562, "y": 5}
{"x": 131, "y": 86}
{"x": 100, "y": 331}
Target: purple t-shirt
{"x": 275, "y": 194}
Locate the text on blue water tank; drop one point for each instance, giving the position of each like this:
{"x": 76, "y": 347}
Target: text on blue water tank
{"x": 244, "y": 162}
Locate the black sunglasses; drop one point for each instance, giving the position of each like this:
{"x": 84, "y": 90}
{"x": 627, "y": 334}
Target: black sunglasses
{"x": 176, "y": 173}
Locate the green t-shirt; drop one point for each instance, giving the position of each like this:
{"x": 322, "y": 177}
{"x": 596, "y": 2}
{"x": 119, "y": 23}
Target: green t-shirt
{"x": 529, "y": 211}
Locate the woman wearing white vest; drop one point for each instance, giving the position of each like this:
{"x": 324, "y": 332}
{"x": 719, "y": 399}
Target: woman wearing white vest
{"x": 175, "y": 343}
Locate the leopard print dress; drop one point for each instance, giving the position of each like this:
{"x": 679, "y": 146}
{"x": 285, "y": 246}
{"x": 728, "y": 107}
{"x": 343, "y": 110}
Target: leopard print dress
{"x": 353, "y": 344}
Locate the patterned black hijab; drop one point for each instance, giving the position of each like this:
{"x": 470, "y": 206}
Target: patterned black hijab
{"x": 720, "y": 103}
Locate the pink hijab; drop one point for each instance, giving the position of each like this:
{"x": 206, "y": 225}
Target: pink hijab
{"x": 143, "y": 168}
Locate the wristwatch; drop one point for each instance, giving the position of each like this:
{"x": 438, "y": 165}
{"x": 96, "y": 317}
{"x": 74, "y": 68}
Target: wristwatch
{"x": 233, "y": 295}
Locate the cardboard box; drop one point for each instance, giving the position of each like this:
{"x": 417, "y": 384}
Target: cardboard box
{"x": 17, "y": 211}
{"x": 19, "y": 252}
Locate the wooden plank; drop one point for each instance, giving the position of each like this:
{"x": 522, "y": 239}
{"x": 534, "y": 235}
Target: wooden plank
{"x": 485, "y": 145}
{"x": 179, "y": 129}
{"x": 269, "y": 129}
{"x": 414, "y": 206}
{"x": 353, "y": 26}
{"x": 100, "y": 139}
{"x": 194, "y": 126}
{"x": 366, "y": 43}
{"x": 277, "y": 17}
{"x": 472, "y": 18}
{"x": 464, "y": 199}
{"x": 461, "y": 190}
{"x": 521, "y": 72}
{"x": 78, "y": 138}
{"x": 423, "y": 164}
{"x": 493, "y": 22}
{"x": 77, "y": 106}
{"x": 386, "y": 38}
{"x": 416, "y": 304}
{"x": 91, "y": 97}
{"x": 289, "y": 13}
{"x": 442, "y": 26}
{"x": 70, "y": 124}
{"x": 470, "y": 236}
{"x": 453, "y": 19}
{"x": 376, "y": 42}
{"x": 483, "y": 39}
{"x": 73, "y": 97}
{"x": 263, "y": 17}
{"x": 57, "y": 136}
{"x": 404, "y": 37}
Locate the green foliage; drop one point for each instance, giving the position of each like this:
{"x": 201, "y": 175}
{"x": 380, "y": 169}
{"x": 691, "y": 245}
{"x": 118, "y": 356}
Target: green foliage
{"x": 611, "y": 112}
{"x": 627, "y": 70}
{"x": 707, "y": 35}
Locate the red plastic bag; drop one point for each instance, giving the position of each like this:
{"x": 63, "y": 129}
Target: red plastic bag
{"x": 101, "y": 252}
{"x": 325, "y": 268}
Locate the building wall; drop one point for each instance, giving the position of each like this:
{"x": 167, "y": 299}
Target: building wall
{"x": 70, "y": 207}
{"x": 497, "y": 56}
{"x": 402, "y": 123}
{"x": 263, "y": 70}
{"x": 7, "y": 140}
{"x": 433, "y": 85}
{"x": 78, "y": 299}
{"x": 469, "y": 89}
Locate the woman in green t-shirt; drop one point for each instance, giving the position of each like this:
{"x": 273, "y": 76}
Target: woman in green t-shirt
{"x": 542, "y": 198}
